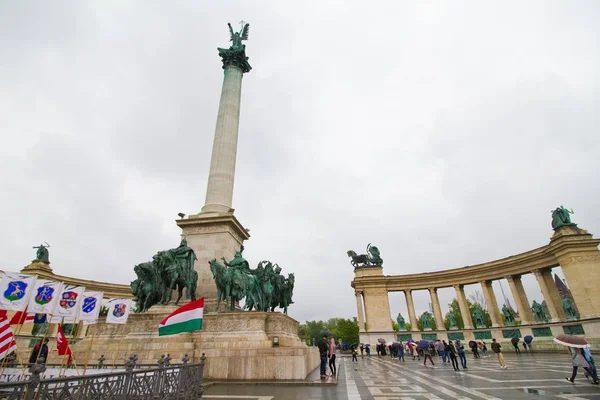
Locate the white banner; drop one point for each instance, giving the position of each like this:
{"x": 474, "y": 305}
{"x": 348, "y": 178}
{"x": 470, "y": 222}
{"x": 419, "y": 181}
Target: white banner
{"x": 44, "y": 297}
{"x": 118, "y": 311}
{"x": 69, "y": 301}
{"x": 89, "y": 309}
{"x": 15, "y": 290}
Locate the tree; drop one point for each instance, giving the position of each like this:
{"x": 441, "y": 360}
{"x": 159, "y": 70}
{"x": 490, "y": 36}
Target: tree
{"x": 395, "y": 326}
{"x": 342, "y": 330}
{"x": 478, "y": 298}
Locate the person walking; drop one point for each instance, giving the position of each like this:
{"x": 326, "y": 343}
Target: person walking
{"x": 497, "y": 349}
{"x": 354, "y": 354}
{"x": 332, "y": 367}
{"x": 323, "y": 350}
{"x": 362, "y": 348}
{"x": 515, "y": 343}
{"x": 400, "y": 351}
{"x": 444, "y": 351}
{"x": 368, "y": 350}
{"x": 451, "y": 350}
{"x": 460, "y": 349}
{"x": 578, "y": 360}
{"x": 428, "y": 353}
{"x": 475, "y": 350}
{"x": 588, "y": 357}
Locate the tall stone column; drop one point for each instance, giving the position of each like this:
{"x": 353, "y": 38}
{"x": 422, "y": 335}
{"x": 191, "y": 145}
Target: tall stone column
{"x": 437, "y": 310}
{"x": 577, "y": 253}
{"x": 520, "y": 297}
{"x": 492, "y": 304}
{"x": 546, "y": 289}
{"x": 464, "y": 306}
{"x": 215, "y": 232}
{"x": 410, "y": 305}
{"x": 361, "y": 317}
{"x": 219, "y": 191}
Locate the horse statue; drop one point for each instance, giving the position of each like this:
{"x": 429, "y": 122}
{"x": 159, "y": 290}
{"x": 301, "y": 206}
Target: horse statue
{"x": 358, "y": 259}
{"x": 220, "y": 275}
{"x": 145, "y": 287}
{"x": 287, "y": 292}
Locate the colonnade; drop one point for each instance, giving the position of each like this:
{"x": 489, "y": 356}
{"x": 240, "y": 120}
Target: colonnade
{"x": 571, "y": 248}
{"x": 543, "y": 276}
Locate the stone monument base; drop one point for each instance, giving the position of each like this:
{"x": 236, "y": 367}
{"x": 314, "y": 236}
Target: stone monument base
{"x": 238, "y": 345}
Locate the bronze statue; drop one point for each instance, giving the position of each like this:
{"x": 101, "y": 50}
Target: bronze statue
{"x": 372, "y": 258}
{"x": 401, "y": 322}
{"x": 42, "y": 254}
{"x": 560, "y": 217}
{"x": 264, "y": 287}
{"x": 538, "y": 312}
{"x": 169, "y": 270}
{"x": 568, "y": 308}
{"x": 236, "y": 54}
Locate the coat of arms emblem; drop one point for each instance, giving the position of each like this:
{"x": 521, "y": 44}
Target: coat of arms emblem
{"x": 119, "y": 310}
{"x": 68, "y": 300}
{"x": 15, "y": 290}
{"x": 44, "y": 295}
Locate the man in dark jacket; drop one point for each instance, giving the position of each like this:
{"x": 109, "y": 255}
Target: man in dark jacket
{"x": 496, "y": 348}
{"x": 323, "y": 349}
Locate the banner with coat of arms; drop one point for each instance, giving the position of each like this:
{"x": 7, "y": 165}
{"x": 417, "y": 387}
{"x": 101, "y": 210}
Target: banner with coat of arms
{"x": 15, "y": 290}
{"x": 89, "y": 309}
{"x": 45, "y": 296}
{"x": 118, "y": 311}
{"x": 69, "y": 300}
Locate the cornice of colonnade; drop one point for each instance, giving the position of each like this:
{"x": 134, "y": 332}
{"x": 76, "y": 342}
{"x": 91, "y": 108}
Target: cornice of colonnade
{"x": 520, "y": 264}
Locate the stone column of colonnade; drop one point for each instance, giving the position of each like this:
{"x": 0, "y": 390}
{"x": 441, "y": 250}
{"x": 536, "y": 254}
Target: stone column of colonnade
{"x": 464, "y": 306}
{"x": 361, "y": 315}
{"x": 521, "y": 301}
{"x": 410, "y": 305}
{"x": 437, "y": 310}
{"x": 544, "y": 278}
{"x": 492, "y": 304}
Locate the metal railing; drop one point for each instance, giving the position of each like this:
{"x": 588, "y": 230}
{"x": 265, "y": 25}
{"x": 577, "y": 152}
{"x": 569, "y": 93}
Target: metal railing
{"x": 179, "y": 382}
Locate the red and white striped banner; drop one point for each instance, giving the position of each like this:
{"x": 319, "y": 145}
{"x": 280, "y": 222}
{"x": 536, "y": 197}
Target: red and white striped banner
{"x": 7, "y": 339}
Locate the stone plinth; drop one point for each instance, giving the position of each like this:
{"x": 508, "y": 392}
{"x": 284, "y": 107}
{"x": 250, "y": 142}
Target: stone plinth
{"x": 239, "y": 345}
{"x": 215, "y": 236}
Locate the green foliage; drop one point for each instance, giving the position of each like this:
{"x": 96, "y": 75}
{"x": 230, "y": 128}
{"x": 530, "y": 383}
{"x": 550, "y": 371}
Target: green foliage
{"x": 343, "y": 330}
{"x": 395, "y": 326}
{"x": 103, "y": 311}
{"x": 408, "y": 327}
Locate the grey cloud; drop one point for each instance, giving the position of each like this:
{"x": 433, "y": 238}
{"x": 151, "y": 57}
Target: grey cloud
{"x": 445, "y": 135}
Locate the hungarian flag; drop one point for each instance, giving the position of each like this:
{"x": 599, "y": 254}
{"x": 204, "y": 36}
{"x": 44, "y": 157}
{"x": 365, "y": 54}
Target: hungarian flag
{"x": 7, "y": 339}
{"x": 186, "y": 318}
{"x": 62, "y": 344}
{"x": 21, "y": 317}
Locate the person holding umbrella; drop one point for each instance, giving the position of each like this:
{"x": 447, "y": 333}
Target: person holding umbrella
{"x": 575, "y": 345}
{"x": 460, "y": 349}
{"x": 515, "y": 343}
{"x": 427, "y": 351}
{"x": 527, "y": 343}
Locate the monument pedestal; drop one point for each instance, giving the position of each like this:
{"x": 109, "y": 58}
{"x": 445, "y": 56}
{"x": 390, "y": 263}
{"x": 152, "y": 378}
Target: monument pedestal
{"x": 211, "y": 235}
{"x": 238, "y": 345}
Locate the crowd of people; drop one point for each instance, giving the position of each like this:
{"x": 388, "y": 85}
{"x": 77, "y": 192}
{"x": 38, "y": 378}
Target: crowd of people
{"x": 453, "y": 352}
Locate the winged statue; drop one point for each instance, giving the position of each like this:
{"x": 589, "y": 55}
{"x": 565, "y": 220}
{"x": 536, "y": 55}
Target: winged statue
{"x": 236, "y": 54}
{"x": 237, "y": 37}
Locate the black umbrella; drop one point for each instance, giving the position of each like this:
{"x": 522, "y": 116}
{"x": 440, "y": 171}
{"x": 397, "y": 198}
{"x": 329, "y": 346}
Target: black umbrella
{"x": 380, "y": 340}
{"x": 514, "y": 340}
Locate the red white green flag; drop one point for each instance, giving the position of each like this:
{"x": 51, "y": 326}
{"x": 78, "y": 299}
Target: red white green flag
{"x": 186, "y": 318}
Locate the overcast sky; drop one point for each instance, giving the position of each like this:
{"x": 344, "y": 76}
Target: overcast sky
{"x": 442, "y": 132}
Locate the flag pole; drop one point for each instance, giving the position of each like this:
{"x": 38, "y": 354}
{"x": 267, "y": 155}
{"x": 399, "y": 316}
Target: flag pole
{"x": 48, "y": 318}
{"x": 89, "y": 350}
{"x": 118, "y": 347}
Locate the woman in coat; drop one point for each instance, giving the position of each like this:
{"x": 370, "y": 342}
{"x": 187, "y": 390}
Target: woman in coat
{"x": 578, "y": 360}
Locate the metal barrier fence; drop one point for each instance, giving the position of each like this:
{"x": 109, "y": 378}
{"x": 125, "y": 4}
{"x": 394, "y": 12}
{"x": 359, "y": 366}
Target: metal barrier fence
{"x": 180, "y": 382}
